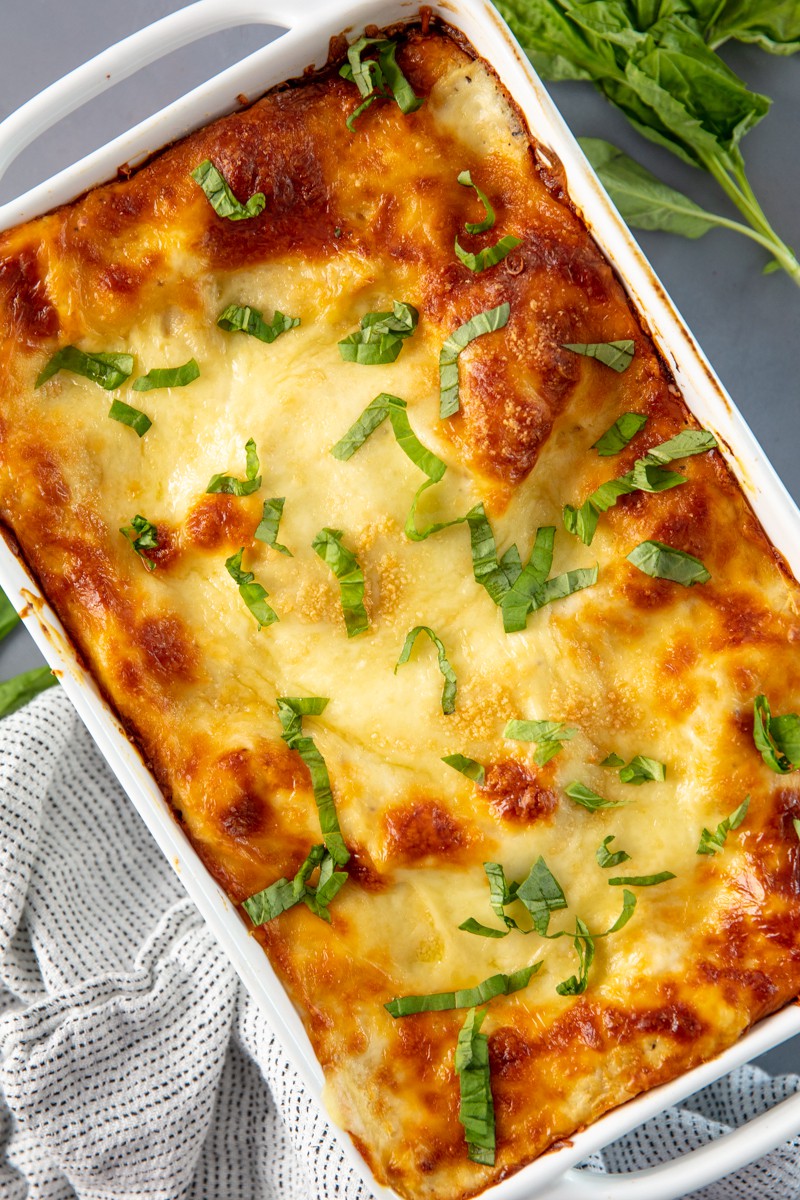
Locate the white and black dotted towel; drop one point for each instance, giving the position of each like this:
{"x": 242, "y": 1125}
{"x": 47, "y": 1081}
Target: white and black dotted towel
{"x": 132, "y": 1064}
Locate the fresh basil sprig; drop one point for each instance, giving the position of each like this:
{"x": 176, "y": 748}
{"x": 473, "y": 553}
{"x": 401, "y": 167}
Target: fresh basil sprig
{"x": 264, "y": 906}
{"x": 450, "y": 681}
{"x": 239, "y": 487}
{"x": 495, "y": 985}
{"x": 237, "y": 318}
{"x": 618, "y": 435}
{"x": 584, "y": 796}
{"x": 329, "y": 547}
{"x": 253, "y": 594}
{"x": 483, "y": 322}
{"x": 220, "y": 196}
{"x": 17, "y": 692}
{"x": 548, "y": 735}
{"x": 468, "y": 767}
{"x": 710, "y": 842}
{"x": 142, "y": 535}
{"x": 381, "y": 336}
{"x": 476, "y": 1110}
{"x": 291, "y": 710}
{"x": 376, "y": 412}
{"x": 377, "y": 79}
{"x": 777, "y": 738}
{"x": 607, "y": 858}
{"x": 269, "y": 524}
{"x": 616, "y": 355}
{"x": 660, "y": 561}
{"x": 126, "y": 414}
{"x": 108, "y": 369}
{"x": 167, "y": 377}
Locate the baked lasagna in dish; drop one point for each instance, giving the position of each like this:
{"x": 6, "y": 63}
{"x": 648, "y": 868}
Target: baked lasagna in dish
{"x": 448, "y": 634}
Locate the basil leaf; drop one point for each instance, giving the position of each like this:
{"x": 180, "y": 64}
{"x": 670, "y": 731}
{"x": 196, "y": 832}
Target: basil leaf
{"x": 605, "y": 858}
{"x": 421, "y": 535}
{"x": 381, "y": 79}
{"x": 237, "y": 318}
{"x": 490, "y": 256}
{"x": 239, "y": 487}
{"x": 110, "y": 370}
{"x": 778, "y": 738}
{"x": 476, "y": 1110}
{"x": 685, "y": 444}
{"x": 383, "y": 406}
{"x": 796, "y": 824}
{"x": 495, "y": 985}
{"x": 549, "y": 736}
{"x": 628, "y": 907}
{"x": 481, "y": 323}
{"x": 518, "y": 601}
{"x": 291, "y": 710}
{"x": 9, "y": 617}
{"x": 328, "y": 546}
{"x": 381, "y": 336}
{"x": 281, "y": 895}
{"x": 562, "y": 586}
{"x": 269, "y": 524}
{"x": 271, "y": 902}
{"x": 220, "y": 196}
{"x": 665, "y": 562}
{"x": 17, "y": 692}
{"x": 542, "y": 895}
{"x": 774, "y": 25}
{"x": 588, "y": 799}
{"x": 467, "y": 766}
{"x": 465, "y": 179}
{"x": 473, "y": 926}
{"x": 253, "y": 594}
{"x": 166, "y": 377}
{"x": 584, "y": 946}
{"x": 617, "y": 437}
{"x": 450, "y": 682}
{"x": 312, "y": 860}
{"x": 641, "y": 880}
{"x": 501, "y": 893}
{"x": 613, "y": 760}
{"x": 127, "y": 415}
{"x": 643, "y": 770}
{"x": 710, "y": 842}
{"x": 489, "y": 573}
{"x": 617, "y": 355}
{"x": 143, "y": 535}
{"x": 396, "y": 81}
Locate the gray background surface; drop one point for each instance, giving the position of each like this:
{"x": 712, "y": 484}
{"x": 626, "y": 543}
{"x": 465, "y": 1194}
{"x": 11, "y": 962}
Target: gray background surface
{"x": 747, "y": 323}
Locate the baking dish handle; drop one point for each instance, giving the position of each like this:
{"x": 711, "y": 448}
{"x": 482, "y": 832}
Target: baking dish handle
{"x": 692, "y": 1170}
{"x": 145, "y": 46}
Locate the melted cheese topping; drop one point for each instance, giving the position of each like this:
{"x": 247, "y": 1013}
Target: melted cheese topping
{"x": 638, "y": 665}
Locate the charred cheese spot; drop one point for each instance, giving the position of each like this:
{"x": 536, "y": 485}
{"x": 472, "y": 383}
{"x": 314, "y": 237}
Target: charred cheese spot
{"x": 517, "y": 793}
{"x": 421, "y": 830}
{"x": 27, "y": 314}
{"x": 219, "y": 520}
{"x": 168, "y": 648}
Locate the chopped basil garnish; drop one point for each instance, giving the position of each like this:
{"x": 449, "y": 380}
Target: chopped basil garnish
{"x": 138, "y": 421}
{"x": 108, "y": 369}
{"x": 584, "y": 945}
{"x": 467, "y": 766}
{"x": 710, "y": 842}
{"x": 253, "y": 594}
{"x": 483, "y": 322}
{"x": 666, "y": 562}
{"x": 269, "y": 524}
{"x": 588, "y": 799}
{"x": 490, "y": 256}
{"x": 549, "y": 736}
{"x": 465, "y": 179}
{"x": 640, "y": 880}
{"x": 643, "y": 770}
{"x": 420, "y": 535}
{"x": 450, "y": 682}
{"x": 375, "y": 414}
{"x": 796, "y": 823}
{"x": 624, "y": 430}
{"x": 243, "y": 319}
{"x": 647, "y": 475}
{"x": 283, "y": 894}
{"x": 9, "y": 617}
{"x": 495, "y": 576}
{"x": 541, "y": 894}
{"x": 495, "y": 985}
{"x": 778, "y": 738}
{"x": 381, "y": 336}
{"x": 613, "y": 760}
{"x": 239, "y": 487}
{"x": 617, "y": 355}
{"x": 605, "y": 857}
{"x": 291, "y": 710}
{"x": 377, "y": 79}
{"x": 220, "y": 196}
{"x": 476, "y": 1110}
{"x": 143, "y": 535}
{"x": 501, "y": 893}
{"x": 166, "y": 377}
{"x": 328, "y": 545}
{"x": 17, "y": 692}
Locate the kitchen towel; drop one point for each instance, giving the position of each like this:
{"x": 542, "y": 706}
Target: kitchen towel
{"x": 133, "y": 1065}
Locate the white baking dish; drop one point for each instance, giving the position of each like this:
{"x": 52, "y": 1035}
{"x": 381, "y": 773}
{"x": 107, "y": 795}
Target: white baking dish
{"x": 306, "y": 42}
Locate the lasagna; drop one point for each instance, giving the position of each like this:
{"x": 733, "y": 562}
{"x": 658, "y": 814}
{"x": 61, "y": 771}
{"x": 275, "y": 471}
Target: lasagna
{"x": 448, "y": 634}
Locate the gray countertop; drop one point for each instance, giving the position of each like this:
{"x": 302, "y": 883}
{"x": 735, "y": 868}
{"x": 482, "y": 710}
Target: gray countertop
{"x": 746, "y": 322}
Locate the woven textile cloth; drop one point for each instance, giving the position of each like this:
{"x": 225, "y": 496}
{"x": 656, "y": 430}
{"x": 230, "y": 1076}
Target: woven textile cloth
{"x": 132, "y": 1064}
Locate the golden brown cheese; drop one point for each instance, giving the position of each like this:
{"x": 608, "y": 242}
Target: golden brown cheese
{"x": 638, "y": 665}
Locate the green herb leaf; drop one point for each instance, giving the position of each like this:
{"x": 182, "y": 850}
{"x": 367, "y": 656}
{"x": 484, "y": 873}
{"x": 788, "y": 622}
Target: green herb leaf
{"x": 108, "y": 369}
{"x": 666, "y": 562}
{"x": 465, "y": 179}
{"x": 9, "y": 617}
{"x": 617, "y": 355}
{"x": 490, "y": 256}
{"x": 640, "y": 880}
{"x": 166, "y": 377}
{"x": 483, "y": 322}
{"x": 584, "y": 947}
{"x": 220, "y": 196}
{"x": 613, "y": 760}
{"x": 328, "y": 546}
{"x": 372, "y": 417}
{"x": 291, "y": 710}
{"x": 567, "y": 584}
{"x": 239, "y": 487}
{"x": 143, "y": 535}
{"x": 271, "y": 902}
{"x": 476, "y": 1110}
{"x": 588, "y": 799}
{"x": 643, "y": 770}
{"x": 774, "y": 25}
{"x": 617, "y": 437}
{"x": 127, "y": 415}
{"x": 527, "y": 587}
{"x": 778, "y": 738}
{"x": 473, "y": 926}
{"x": 244, "y": 319}
{"x": 549, "y": 736}
{"x": 496, "y": 577}
{"x": 495, "y": 985}
{"x": 450, "y": 682}
{"x": 17, "y": 692}
{"x": 542, "y": 895}
{"x": 281, "y": 895}
{"x": 269, "y": 524}
{"x": 421, "y": 535}
{"x": 628, "y": 907}
{"x": 796, "y": 823}
{"x": 605, "y": 858}
{"x": 381, "y": 336}
{"x": 379, "y": 79}
{"x": 253, "y": 594}
{"x": 467, "y": 766}
{"x": 710, "y": 842}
